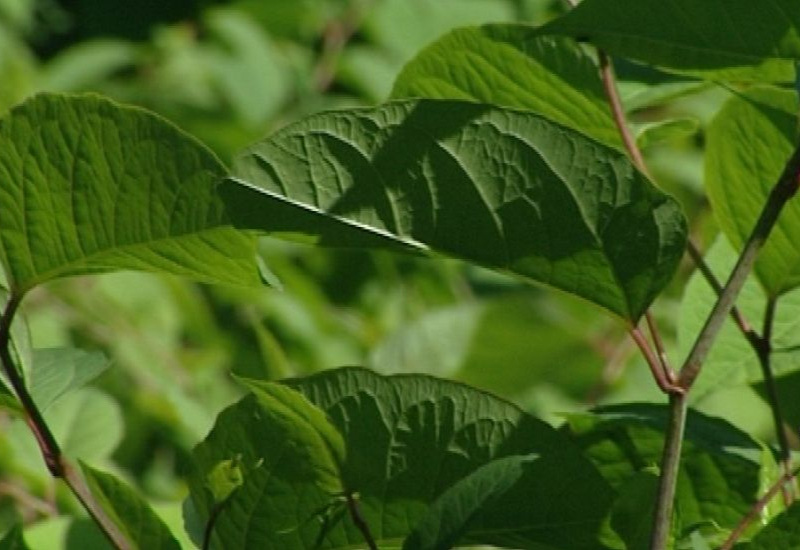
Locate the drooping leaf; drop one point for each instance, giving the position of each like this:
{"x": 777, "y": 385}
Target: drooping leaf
{"x": 129, "y": 512}
{"x": 732, "y": 39}
{"x": 506, "y": 189}
{"x": 724, "y": 471}
{"x": 654, "y": 133}
{"x": 87, "y": 185}
{"x": 411, "y": 439}
{"x": 13, "y": 540}
{"x": 288, "y": 458}
{"x": 513, "y": 66}
{"x": 741, "y": 171}
{"x": 782, "y": 532}
{"x": 56, "y": 371}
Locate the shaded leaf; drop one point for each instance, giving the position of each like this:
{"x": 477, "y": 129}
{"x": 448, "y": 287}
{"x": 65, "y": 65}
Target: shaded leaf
{"x": 632, "y": 513}
{"x": 733, "y": 39}
{"x": 723, "y": 470}
{"x": 741, "y": 171}
{"x": 288, "y": 457}
{"x": 505, "y": 189}
{"x": 91, "y": 186}
{"x": 129, "y": 512}
{"x": 513, "y": 66}
{"x": 13, "y": 540}
{"x": 783, "y": 532}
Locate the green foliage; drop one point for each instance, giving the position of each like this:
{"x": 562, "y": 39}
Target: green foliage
{"x": 74, "y": 200}
{"x": 130, "y": 513}
{"x": 544, "y": 203}
{"x": 717, "y": 40}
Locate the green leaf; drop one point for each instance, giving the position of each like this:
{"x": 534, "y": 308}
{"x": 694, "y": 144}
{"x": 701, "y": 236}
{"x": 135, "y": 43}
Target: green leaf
{"x": 741, "y": 171}
{"x": 91, "y": 186}
{"x": 501, "y": 188}
{"x": 732, "y": 39}
{"x": 86, "y": 64}
{"x": 396, "y": 445}
{"x": 129, "y": 512}
{"x": 654, "y": 133}
{"x": 513, "y": 66}
{"x": 288, "y": 458}
{"x": 58, "y": 371}
{"x": 632, "y": 513}
{"x": 781, "y": 532}
{"x": 412, "y": 439}
{"x": 723, "y": 470}
{"x": 512, "y": 502}
{"x": 13, "y": 540}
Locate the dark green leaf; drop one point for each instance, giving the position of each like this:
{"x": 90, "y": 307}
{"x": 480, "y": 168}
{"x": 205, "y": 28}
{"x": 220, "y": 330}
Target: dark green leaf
{"x": 505, "y": 189}
{"x": 632, "y": 512}
{"x": 129, "y": 512}
{"x": 782, "y": 533}
{"x": 13, "y": 540}
{"x": 723, "y": 470}
{"x": 413, "y": 439}
{"x": 513, "y": 66}
{"x": 741, "y": 171}
{"x": 90, "y": 186}
{"x": 733, "y": 39}
{"x": 288, "y": 458}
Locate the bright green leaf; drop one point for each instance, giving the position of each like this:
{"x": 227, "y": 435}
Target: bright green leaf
{"x": 723, "y": 39}
{"x": 13, "y": 540}
{"x": 654, "y": 133}
{"x": 513, "y": 66}
{"x": 87, "y": 185}
{"x": 86, "y": 64}
{"x": 288, "y": 457}
{"x": 742, "y": 170}
{"x": 224, "y": 479}
{"x": 58, "y": 371}
{"x": 129, "y": 512}
{"x": 501, "y": 188}
{"x": 723, "y": 470}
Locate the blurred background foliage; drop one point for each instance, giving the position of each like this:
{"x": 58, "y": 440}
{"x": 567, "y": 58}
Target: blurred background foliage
{"x": 231, "y": 72}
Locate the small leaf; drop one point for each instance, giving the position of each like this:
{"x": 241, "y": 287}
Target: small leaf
{"x": 655, "y": 133}
{"x": 225, "y": 478}
{"x": 741, "y": 172}
{"x": 13, "y": 540}
{"x": 58, "y": 371}
{"x": 501, "y": 188}
{"x": 90, "y": 186}
{"x": 731, "y": 39}
{"x": 512, "y": 66}
{"x": 129, "y": 512}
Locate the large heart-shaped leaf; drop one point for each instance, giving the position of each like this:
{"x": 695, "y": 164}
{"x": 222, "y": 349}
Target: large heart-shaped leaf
{"x": 736, "y": 39}
{"x": 506, "y": 189}
{"x": 514, "y": 66}
{"x": 87, "y": 185}
{"x": 396, "y": 445}
{"x": 741, "y": 171}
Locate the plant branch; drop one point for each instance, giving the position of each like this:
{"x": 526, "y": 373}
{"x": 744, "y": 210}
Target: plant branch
{"x": 334, "y": 39}
{"x": 764, "y": 351}
{"x": 360, "y": 522}
{"x": 756, "y": 510}
{"x": 659, "y": 344}
{"x": 664, "y": 378}
{"x": 782, "y": 191}
{"x": 55, "y": 461}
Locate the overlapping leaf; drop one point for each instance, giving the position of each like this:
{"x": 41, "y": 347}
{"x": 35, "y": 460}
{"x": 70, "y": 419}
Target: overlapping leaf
{"x": 403, "y": 447}
{"x": 513, "y": 66}
{"x": 87, "y": 186}
{"x": 502, "y": 188}
{"x": 736, "y": 39}
{"x": 724, "y": 471}
{"x": 782, "y": 532}
{"x": 749, "y": 142}
{"x": 129, "y": 512}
